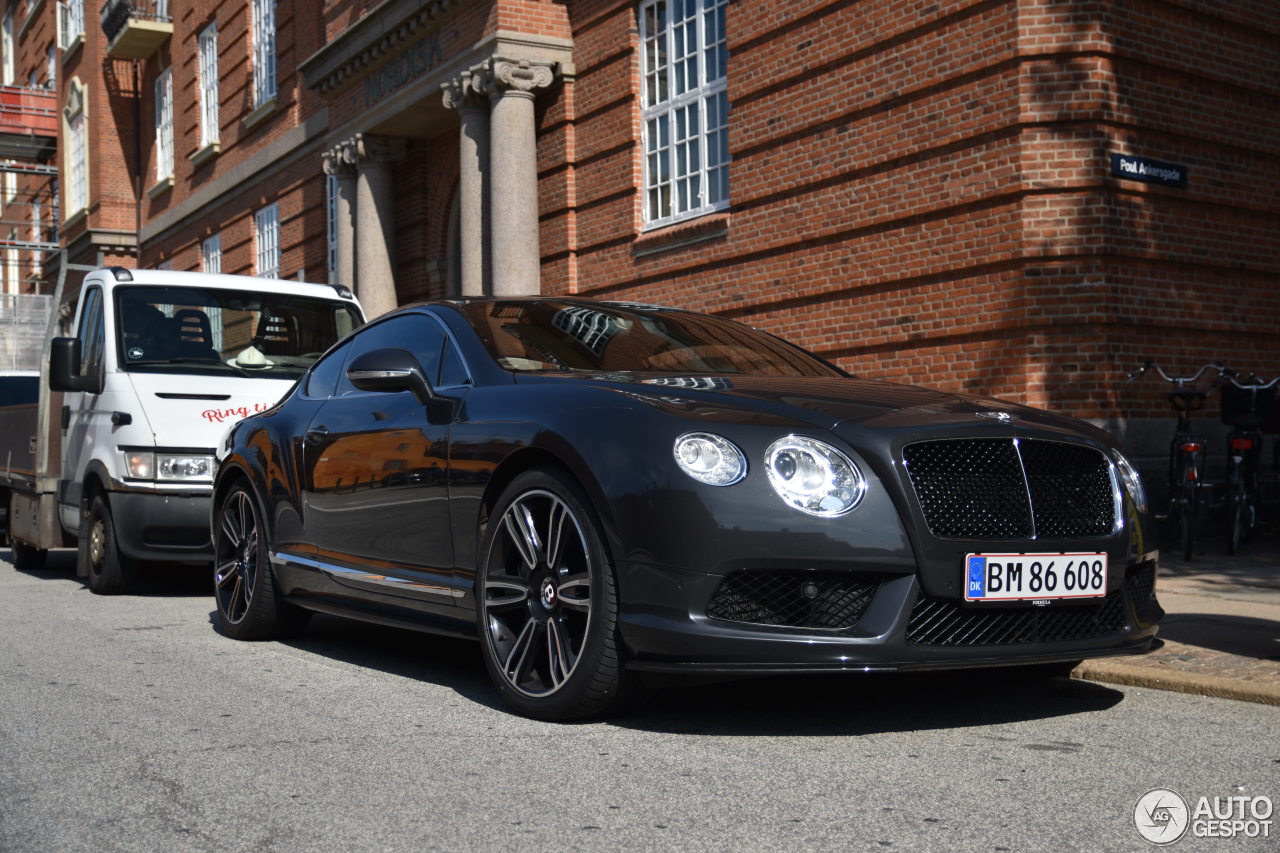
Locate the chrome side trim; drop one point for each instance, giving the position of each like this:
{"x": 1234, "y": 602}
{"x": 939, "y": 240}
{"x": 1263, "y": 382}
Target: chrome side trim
{"x": 365, "y": 575}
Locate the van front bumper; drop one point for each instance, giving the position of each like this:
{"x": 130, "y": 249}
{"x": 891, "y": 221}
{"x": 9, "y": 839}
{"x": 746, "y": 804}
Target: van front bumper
{"x": 152, "y": 526}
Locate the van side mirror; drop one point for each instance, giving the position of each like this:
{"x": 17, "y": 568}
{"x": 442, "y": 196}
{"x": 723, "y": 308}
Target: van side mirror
{"x": 390, "y": 370}
{"x": 64, "y": 368}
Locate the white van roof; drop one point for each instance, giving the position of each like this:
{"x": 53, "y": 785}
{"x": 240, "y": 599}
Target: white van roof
{"x": 121, "y": 275}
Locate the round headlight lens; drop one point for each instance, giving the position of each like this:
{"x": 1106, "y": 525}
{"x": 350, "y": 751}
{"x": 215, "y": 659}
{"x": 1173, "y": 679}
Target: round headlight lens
{"x": 813, "y": 476}
{"x": 1132, "y": 481}
{"x": 710, "y": 459}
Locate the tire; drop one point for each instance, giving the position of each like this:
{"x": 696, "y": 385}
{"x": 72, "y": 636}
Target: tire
{"x": 1187, "y": 529}
{"x": 27, "y": 558}
{"x": 546, "y": 603}
{"x": 1237, "y": 521}
{"x": 109, "y": 571}
{"x": 249, "y": 606}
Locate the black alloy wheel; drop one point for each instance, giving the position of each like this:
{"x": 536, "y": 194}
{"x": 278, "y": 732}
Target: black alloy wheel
{"x": 249, "y": 607}
{"x": 547, "y": 602}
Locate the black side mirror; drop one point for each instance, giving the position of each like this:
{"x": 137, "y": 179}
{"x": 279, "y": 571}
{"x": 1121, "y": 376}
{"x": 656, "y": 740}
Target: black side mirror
{"x": 390, "y": 370}
{"x": 64, "y": 368}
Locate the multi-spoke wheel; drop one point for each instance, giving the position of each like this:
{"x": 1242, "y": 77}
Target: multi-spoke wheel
{"x": 546, "y": 602}
{"x": 249, "y": 607}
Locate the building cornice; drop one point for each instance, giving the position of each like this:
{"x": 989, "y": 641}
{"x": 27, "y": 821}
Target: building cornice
{"x": 385, "y": 29}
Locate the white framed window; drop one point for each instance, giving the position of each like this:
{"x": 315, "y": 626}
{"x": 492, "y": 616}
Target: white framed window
{"x": 37, "y": 215}
{"x": 266, "y": 238}
{"x": 10, "y": 183}
{"x": 164, "y": 124}
{"x": 70, "y": 22}
{"x": 211, "y": 254}
{"x": 51, "y": 67}
{"x": 331, "y": 223}
{"x": 77, "y": 164}
{"x": 208, "y": 48}
{"x": 264, "y": 51}
{"x": 684, "y": 58}
{"x": 12, "y": 273}
{"x": 6, "y": 46}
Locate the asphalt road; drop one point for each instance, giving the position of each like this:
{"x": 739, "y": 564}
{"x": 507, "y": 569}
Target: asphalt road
{"x": 129, "y": 724}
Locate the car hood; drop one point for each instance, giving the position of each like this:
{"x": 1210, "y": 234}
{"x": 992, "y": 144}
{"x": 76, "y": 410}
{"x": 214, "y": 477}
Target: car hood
{"x": 834, "y": 403}
{"x": 194, "y": 411}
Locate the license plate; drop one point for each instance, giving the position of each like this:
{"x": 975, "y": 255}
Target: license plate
{"x": 1022, "y": 577}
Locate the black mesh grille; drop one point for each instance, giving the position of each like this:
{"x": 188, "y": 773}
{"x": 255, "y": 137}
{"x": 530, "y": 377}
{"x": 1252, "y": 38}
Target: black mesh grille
{"x": 1140, "y": 585}
{"x": 935, "y": 622}
{"x": 793, "y": 599}
{"x": 976, "y": 489}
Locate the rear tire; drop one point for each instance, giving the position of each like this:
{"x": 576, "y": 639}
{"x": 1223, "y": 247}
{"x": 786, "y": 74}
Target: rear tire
{"x": 110, "y": 572}
{"x": 1238, "y": 532}
{"x": 27, "y": 558}
{"x": 249, "y": 605}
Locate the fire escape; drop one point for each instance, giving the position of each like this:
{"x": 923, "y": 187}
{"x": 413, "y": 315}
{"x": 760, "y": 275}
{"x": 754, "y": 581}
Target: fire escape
{"x": 28, "y": 142}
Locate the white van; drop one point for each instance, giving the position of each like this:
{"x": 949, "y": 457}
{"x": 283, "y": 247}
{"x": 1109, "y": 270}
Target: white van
{"x": 160, "y": 365}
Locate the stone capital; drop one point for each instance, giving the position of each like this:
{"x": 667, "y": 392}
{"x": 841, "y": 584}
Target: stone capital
{"x": 464, "y": 92}
{"x": 367, "y": 149}
{"x": 512, "y": 76}
{"x": 340, "y": 161}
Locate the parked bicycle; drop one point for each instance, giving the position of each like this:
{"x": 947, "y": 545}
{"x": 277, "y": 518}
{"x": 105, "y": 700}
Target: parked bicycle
{"x": 1246, "y": 406}
{"x": 1186, "y": 453}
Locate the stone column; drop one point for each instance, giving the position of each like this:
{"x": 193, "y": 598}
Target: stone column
{"x": 463, "y": 94}
{"x": 375, "y": 226}
{"x": 513, "y": 175}
{"x": 340, "y": 162}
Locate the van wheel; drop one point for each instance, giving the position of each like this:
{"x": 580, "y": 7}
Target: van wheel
{"x": 110, "y": 572}
{"x": 27, "y": 558}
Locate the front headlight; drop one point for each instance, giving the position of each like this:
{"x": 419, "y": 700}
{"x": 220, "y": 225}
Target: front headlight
{"x": 170, "y": 467}
{"x": 710, "y": 459}
{"x": 813, "y": 476}
{"x": 1132, "y": 480}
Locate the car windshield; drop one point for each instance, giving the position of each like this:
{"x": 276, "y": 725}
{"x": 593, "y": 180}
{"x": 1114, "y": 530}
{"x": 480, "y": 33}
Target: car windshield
{"x": 556, "y": 336}
{"x": 210, "y": 330}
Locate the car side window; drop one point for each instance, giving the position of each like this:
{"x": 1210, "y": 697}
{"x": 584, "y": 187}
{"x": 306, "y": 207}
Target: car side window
{"x": 323, "y": 378}
{"x": 417, "y": 333}
{"x": 453, "y": 371}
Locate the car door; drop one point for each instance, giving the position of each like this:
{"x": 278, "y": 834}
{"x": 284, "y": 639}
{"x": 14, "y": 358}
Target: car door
{"x": 376, "y": 475}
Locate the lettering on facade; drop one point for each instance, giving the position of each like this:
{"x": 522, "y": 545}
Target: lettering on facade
{"x": 417, "y": 59}
{"x": 1151, "y": 171}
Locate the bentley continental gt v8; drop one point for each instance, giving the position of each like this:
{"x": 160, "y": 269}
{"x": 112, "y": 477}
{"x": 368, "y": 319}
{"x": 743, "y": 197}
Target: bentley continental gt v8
{"x": 597, "y": 490}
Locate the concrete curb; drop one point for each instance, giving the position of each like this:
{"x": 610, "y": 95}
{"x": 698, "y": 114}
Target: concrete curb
{"x": 1114, "y": 672}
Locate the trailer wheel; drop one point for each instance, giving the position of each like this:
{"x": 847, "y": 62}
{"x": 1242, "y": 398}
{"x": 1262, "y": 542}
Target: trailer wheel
{"x": 110, "y": 572}
{"x": 27, "y": 558}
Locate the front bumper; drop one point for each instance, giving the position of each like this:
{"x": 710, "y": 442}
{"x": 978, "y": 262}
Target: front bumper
{"x": 666, "y": 628}
{"x": 166, "y": 527}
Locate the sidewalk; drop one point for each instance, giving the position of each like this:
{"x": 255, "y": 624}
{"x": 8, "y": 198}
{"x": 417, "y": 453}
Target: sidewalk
{"x": 1221, "y": 631}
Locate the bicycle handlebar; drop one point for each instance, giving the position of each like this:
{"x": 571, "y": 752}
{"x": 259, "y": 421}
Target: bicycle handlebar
{"x": 1179, "y": 380}
{"x": 1252, "y": 386}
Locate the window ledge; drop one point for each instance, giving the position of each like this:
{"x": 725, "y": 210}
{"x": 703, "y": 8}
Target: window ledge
{"x": 260, "y": 114}
{"x": 713, "y": 226}
{"x": 72, "y": 48}
{"x": 74, "y": 218}
{"x": 162, "y": 186}
{"x": 32, "y": 10}
{"x": 205, "y": 154}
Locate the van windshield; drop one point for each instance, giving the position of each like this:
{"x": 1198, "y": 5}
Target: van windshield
{"x": 210, "y": 330}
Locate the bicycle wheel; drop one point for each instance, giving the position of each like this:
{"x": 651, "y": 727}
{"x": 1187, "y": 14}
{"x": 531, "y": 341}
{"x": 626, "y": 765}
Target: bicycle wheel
{"x": 1190, "y": 509}
{"x": 1237, "y": 508}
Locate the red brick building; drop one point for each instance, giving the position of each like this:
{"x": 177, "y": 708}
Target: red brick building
{"x": 1020, "y": 198}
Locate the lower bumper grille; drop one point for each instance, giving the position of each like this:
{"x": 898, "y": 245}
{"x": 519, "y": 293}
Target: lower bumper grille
{"x": 829, "y": 601}
{"x": 937, "y": 622}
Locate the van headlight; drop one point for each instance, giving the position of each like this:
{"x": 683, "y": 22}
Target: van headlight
{"x": 169, "y": 467}
{"x": 813, "y": 476}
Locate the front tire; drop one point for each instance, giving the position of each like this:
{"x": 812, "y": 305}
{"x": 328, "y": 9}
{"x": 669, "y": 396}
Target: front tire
{"x": 546, "y": 603}
{"x": 109, "y": 571}
{"x": 249, "y": 605}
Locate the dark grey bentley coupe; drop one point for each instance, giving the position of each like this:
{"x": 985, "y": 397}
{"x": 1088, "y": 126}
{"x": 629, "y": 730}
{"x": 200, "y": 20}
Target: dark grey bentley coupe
{"x": 597, "y": 490}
